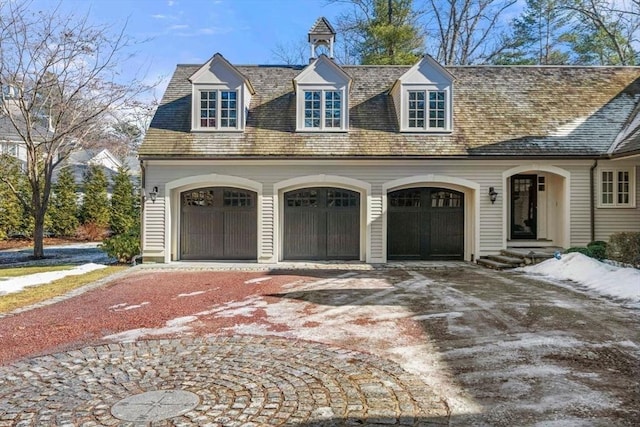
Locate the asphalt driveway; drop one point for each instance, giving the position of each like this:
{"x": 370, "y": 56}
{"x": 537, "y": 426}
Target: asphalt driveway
{"x": 460, "y": 346}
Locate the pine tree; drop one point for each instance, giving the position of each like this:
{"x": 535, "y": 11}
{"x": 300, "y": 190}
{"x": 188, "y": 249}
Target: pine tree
{"x": 11, "y": 210}
{"x": 95, "y": 203}
{"x": 123, "y": 214}
{"x": 391, "y": 38}
{"x": 63, "y": 210}
{"x": 540, "y": 35}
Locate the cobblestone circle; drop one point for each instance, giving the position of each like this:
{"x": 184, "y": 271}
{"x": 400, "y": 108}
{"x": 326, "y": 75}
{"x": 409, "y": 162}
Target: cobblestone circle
{"x": 240, "y": 381}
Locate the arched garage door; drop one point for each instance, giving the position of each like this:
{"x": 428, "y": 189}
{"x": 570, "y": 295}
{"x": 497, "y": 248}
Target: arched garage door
{"x": 321, "y": 224}
{"x": 218, "y": 223}
{"x": 425, "y": 224}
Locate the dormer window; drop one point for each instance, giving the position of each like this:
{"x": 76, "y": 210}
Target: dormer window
{"x": 322, "y": 109}
{"x": 218, "y": 109}
{"x": 322, "y": 102}
{"x": 220, "y": 97}
{"x": 427, "y": 109}
{"x": 423, "y": 98}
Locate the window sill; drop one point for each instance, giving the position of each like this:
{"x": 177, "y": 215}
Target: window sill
{"x": 201, "y": 130}
{"x": 322, "y": 131}
{"x": 629, "y": 206}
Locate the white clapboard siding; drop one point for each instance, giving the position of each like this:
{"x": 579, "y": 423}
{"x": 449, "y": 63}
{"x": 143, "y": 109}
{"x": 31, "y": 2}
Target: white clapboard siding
{"x": 491, "y": 227}
{"x": 616, "y": 220}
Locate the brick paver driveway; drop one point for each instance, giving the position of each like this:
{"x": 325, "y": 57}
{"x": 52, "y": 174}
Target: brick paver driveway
{"x": 460, "y": 345}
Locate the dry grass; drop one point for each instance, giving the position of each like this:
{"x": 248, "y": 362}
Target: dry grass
{"x": 35, "y": 294}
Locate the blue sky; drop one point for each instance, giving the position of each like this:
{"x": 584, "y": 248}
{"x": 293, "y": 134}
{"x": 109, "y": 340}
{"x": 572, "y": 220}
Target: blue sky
{"x": 191, "y": 31}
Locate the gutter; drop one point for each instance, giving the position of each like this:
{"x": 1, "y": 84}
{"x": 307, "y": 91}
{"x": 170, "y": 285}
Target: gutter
{"x": 592, "y": 199}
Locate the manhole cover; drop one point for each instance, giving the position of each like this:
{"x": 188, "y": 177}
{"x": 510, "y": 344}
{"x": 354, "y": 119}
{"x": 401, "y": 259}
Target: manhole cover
{"x": 155, "y": 405}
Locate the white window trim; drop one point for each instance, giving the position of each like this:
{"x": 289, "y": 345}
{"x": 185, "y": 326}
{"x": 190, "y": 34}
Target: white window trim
{"x": 448, "y": 116}
{"x": 632, "y": 188}
{"x": 195, "y": 116}
{"x": 344, "y": 114}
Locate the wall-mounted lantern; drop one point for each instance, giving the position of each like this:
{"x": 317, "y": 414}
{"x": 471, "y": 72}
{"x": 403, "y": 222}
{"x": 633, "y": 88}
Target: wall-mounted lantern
{"x": 153, "y": 194}
{"x": 493, "y": 195}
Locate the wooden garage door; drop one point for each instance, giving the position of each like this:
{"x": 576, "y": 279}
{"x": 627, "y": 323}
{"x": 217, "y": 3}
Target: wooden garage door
{"x": 321, "y": 224}
{"x": 218, "y": 223}
{"x": 425, "y": 224}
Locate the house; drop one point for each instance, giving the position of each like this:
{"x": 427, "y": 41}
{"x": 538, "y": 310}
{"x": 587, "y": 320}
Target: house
{"x": 377, "y": 163}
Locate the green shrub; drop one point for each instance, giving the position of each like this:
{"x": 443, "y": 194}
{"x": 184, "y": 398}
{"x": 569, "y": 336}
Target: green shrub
{"x": 122, "y": 247}
{"x": 598, "y": 249}
{"x": 580, "y": 249}
{"x": 625, "y": 248}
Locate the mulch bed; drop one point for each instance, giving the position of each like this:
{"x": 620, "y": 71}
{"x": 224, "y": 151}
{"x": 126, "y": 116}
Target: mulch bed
{"x": 86, "y": 319}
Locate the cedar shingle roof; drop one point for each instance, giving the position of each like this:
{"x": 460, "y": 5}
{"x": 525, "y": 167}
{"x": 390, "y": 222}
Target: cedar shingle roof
{"x": 498, "y": 111}
{"x": 322, "y": 26}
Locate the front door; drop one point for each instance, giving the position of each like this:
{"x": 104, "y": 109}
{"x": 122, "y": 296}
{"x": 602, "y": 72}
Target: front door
{"x": 524, "y": 206}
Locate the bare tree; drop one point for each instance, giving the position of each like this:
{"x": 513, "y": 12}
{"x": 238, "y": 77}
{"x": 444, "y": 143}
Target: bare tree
{"x": 292, "y": 53}
{"x": 618, "y": 21}
{"x": 466, "y": 31}
{"x": 61, "y": 76}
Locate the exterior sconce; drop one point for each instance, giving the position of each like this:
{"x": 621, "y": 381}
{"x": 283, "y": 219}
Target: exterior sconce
{"x": 153, "y": 194}
{"x": 493, "y": 195}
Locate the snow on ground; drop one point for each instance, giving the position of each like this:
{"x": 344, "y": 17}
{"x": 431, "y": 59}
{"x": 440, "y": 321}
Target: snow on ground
{"x": 79, "y": 253}
{"x": 16, "y": 284}
{"x": 173, "y": 326}
{"x": 581, "y": 270}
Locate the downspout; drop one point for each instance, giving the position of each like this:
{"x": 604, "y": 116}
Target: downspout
{"x": 142, "y": 203}
{"x": 592, "y": 199}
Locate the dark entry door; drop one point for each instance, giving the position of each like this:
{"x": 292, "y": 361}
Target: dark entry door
{"x": 425, "y": 224}
{"x": 218, "y": 223}
{"x": 524, "y": 206}
{"x": 321, "y": 224}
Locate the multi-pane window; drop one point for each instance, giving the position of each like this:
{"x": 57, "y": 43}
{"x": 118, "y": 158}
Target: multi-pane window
{"x": 607, "y": 188}
{"x": 312, "y": 109}
{"x": 208, "y": 104}
{"x": 303, "y": 198}
{"x": 436, "y": 109}
{"x": 427, "y": 109}
{"x": 623, "y": 187}
{"x": 446, "y": 199}
{"x": 228, "y": 109}
{"x": 323, "y": 109}
{"x": 218, "y": 109}
{"x": 342, "y": 198}
{"x": 237, "y": 198}
{"x": 417, "y": 109}
{"x": 332, "y": 109}
{"x": 616, "y": 188}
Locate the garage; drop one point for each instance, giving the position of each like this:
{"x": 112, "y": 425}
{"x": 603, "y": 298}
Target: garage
{"x": 218, "y": 223}
{"x": 425, "y": 224}
{"x": 321, "y": 224}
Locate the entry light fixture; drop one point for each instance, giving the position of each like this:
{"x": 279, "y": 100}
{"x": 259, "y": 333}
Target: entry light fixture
{"x": 493, "y": 195}
{"x": 153, "y": 194}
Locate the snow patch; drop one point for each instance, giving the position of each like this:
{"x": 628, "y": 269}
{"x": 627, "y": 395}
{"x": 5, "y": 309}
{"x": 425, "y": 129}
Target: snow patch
{"x": 257, "y": 280}
{"x": 191, "y": 294}
{"x": 173, "y": 326}
{"x": 17, "y": 284}
{"x": 602, "y": 278}
{"x": 126, "y": 307}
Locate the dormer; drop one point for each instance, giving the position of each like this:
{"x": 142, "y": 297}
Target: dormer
{"x": 423, "y": 98}
{"x": 220, "y": 97}
{"x": 322, "y": 97}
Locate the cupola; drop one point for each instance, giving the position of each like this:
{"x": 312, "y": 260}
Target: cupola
{"x": 321, "y": 34}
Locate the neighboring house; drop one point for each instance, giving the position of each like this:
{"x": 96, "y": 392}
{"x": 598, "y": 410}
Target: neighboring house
{"x": 377, "y": 163}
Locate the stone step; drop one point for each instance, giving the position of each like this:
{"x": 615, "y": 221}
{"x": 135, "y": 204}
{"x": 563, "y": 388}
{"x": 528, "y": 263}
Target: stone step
{"x": 496, "y": 265}
{"x": 513, "y": 261}
{"x": 530, "y": 256}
